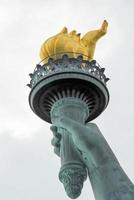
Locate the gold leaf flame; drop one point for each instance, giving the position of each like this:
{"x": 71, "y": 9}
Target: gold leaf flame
{"x": 71, "y": 44}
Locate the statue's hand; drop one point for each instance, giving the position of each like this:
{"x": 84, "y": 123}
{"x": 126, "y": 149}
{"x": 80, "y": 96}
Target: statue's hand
{"x": 56, "y": 140}
{"x": 88, "y": 139}
{"x": 85, "y": 137}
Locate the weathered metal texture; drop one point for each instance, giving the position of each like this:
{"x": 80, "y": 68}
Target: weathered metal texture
{"x": 73, "y": 172}
{"x": 70, "y": 92}
{"x": 108, "y": 180}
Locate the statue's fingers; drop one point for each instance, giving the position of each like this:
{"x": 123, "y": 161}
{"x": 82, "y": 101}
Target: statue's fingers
{"x": 55, "y": 132}
{"x": 71, "y": 125}
{"x": 57, "y": 151}
{"x": 80, "y": 133}
{"x": 55, "y": 142}
{"x": 53, "y": 128}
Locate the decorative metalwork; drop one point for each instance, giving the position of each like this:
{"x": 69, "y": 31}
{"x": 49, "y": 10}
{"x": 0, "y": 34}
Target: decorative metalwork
{"x": 73, "y": 178}
{"x": 66, "y": 64}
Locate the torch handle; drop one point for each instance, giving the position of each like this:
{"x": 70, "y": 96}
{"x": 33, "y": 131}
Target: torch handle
{"x": 73, "y": 172}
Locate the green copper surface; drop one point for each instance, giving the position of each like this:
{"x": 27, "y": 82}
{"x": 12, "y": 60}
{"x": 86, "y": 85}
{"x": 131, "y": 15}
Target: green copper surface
{"x": 69, "y": 92}
{"x": 73, "y": 171}
{"x": 108, "y": 180}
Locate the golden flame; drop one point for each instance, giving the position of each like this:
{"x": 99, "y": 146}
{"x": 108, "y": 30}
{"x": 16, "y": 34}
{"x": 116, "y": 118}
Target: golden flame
{"x": 72, "y": 44}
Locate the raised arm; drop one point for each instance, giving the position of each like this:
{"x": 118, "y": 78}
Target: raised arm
{"x": 108, "y": 180}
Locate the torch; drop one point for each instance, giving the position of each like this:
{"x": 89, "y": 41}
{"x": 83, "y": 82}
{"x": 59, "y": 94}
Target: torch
{"x": 74, "y": 84}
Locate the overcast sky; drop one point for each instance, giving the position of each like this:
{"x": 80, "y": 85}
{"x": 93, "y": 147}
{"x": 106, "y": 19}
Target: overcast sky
{"x": 28, "y": 167}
